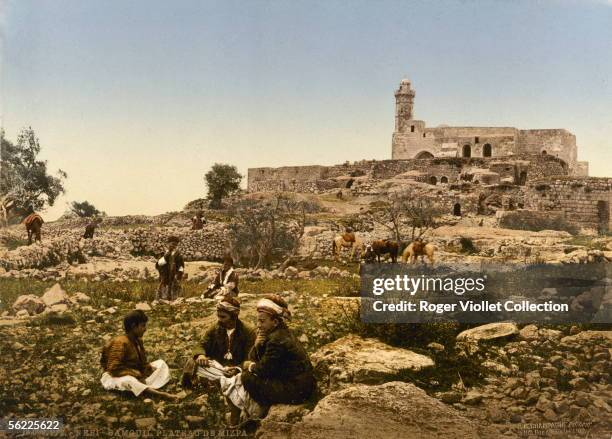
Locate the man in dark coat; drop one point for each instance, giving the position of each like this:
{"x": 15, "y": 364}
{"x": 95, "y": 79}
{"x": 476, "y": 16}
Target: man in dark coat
{"x": 278, "y": 370}
{"x": 198, "y": 221}
{"x": 171, "y": 267}
{"x": 227, "y": 341}
{"x": 90, "y": 228}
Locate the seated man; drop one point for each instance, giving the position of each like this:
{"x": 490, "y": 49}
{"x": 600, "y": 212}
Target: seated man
{"x": 228, "y": 341}
{"x": 226, "y": 281}
{"x": 278, "y": 370}
{"x": 125, "y": 365}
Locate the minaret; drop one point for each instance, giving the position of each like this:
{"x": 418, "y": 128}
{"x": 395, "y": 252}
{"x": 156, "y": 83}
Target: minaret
{"x": 404, "y": 101}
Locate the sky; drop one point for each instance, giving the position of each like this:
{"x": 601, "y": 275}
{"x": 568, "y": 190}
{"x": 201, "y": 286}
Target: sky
{"x": 136, "y": 100}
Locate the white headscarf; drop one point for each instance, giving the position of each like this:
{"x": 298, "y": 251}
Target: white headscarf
{"x": 270, "y": 307}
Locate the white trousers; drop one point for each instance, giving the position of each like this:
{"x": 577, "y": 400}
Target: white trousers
{"x": 232, "y": 389}
{"x": 158, "y": 379}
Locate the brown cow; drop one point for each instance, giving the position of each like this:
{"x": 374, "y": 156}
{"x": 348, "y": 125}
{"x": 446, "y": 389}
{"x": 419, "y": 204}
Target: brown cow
{"x": 382, "y": 247}
{"x": 33, "y": 223}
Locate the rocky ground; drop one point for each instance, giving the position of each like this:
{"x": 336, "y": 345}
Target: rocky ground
{"x": 60, "y": 302}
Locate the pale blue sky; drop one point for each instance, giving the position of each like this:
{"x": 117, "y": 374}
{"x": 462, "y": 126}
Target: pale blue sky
{"x": 137, "y": 99}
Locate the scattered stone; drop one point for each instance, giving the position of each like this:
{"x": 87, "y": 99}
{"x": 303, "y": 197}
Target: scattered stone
{"x": 30, "y": 303}
{"x": 529, "y": 332}
{"x": 363, "y": 411}
{"x": 55, "y": 295}
{"x": 450, "y": 397}
{"x": 435, "y": 347}
{"x": 145, "y": 423}
{"x": 579, "y": 384}
{"x": 490, "y": 331}
{"x": 472, "y": 398}
{"x": 353, "y": 359}
{"x": 143, "y": 306}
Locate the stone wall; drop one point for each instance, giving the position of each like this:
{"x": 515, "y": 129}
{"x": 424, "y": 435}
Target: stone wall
{"x": 313, "y": 179}
{"x": 66, "y": 245}
{"x": 584, "y": 201}
{"x": 556, "y": 142}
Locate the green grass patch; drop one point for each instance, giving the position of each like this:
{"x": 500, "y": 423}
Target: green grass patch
{"x": 590, "y": 242}
{"x": 12, "y": 243}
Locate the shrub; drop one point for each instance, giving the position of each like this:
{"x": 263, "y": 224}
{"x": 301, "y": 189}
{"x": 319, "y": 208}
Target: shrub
{"x": 536, "y": 223}
{"x": 467, "y": 246}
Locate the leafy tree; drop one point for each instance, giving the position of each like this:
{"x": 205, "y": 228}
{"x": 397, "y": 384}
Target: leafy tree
{"x": 85, "y": 209}
{"x": 222, "y": 180}
{"x": 24, "y": 178}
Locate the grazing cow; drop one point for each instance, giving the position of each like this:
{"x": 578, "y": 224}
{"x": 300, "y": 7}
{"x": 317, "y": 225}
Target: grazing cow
{"x": 347, "y": 240}
{"x": 382, "y": 247}
{"x": 33, "y": 223}
{"x": 418, "y": 248}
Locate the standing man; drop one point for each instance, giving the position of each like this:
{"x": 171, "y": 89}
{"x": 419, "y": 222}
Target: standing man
{"x": 171, "y": 268}
{"x": 197, "y": 222}
{"x": 90, "y": 228}
{"x": 226, "y": 281}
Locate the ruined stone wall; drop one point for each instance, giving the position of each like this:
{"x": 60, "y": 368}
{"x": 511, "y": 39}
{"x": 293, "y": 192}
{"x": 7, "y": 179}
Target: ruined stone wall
{"x": 556, "y": 142}
{"x": 312, "y": 179}
{"x": 584, "y": 201}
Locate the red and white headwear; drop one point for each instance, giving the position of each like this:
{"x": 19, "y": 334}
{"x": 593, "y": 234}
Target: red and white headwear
{"x": 274, "y": 309}
{"x": 229, "y": 304}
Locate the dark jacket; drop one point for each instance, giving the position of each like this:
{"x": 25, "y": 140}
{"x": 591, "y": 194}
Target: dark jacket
{"x": 214, "y": 344}
{"x": 170, "y": 270}
{"x": 124, "y": 355}
{"x": 282, "y": 373}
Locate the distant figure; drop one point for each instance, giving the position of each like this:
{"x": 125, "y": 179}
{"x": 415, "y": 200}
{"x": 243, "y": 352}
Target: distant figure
{"x": 225, "y": 283}
{"x": 198, "y": 221}
{"x": 171, "y": 267}
{"x": 33, "y": 224}
{"x": 91, "y": 228}
{"x": 125, "y": 365}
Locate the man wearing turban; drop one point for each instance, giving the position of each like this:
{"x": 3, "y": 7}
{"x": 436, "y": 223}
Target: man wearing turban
{"x": 228, "y": 341}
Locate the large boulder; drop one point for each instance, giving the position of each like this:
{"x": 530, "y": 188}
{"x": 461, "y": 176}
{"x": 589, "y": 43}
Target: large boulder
{"x": 55, "y": 295}
{"x": 490, "y": 331}
{"x": 391, "y": 410}
{"x": 30, "y": 303}
{"x": 353, "y": 359}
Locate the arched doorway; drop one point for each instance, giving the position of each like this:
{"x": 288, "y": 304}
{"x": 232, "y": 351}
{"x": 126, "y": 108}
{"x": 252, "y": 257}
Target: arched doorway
{"x": 543, "y": 152}
{"x": 433, "y": 180}
{"x": 467, "y": 151}
{"x": 349, "y": 183}
{"x": 457, "y": 209}
{"x": 603, "y": 216}
{"x": 424, "y": 155}
{"x": 486, "y": 150}
{"x": 443, "y": 180}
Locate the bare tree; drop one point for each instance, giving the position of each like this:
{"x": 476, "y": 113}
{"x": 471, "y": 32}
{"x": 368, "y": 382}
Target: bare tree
{"x": 264, "y": 231}
{"x": 406, "y": 210}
